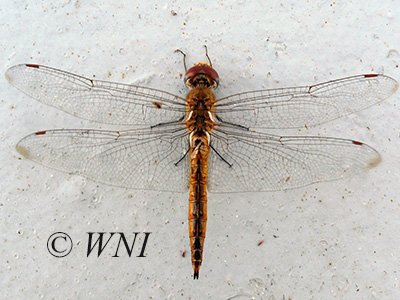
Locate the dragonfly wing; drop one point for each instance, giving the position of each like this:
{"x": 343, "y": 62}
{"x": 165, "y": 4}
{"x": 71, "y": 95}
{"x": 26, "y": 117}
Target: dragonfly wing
{"x": 244, "y": 161}
{"x": 141, "y": 159}
{"x": 95, "y": 100}
{"x": 305, "y": 106}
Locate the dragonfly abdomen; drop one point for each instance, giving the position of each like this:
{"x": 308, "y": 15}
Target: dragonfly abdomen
{"x": 199, "y": 152}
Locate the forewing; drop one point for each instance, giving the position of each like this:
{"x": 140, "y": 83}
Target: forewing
{"x": 243, "y": 161}
{"x": 305, "y": 106}
{"x": 141, "y": 159}
{"x": 95, "y": 100}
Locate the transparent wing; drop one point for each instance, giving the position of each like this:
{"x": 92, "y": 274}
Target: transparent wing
{"x": 142, "y": 159}
{"x": 305, "y": 106}
{"x": 243, "y": 161}
{"x": 95, "y": 100}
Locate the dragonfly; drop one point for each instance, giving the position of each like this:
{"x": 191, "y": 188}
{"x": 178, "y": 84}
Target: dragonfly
{"x": 199, "y": 143}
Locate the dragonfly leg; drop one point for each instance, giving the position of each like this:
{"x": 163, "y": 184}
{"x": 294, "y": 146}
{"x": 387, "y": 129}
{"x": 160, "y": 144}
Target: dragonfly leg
{"x": 220, "y": 156}
{"x": 167, "y": 123}
{"x": 184, "y": 155}
{"x": 232, "y": 124}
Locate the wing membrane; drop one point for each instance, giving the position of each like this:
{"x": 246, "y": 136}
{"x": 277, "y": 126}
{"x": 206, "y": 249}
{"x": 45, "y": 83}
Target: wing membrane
{"x": 140, "y": 159}
{"x": 95, "y": 100}
{"x": 305, "y": 106}
{"x": 252, "y": 161}
{"x": 155, "y": 158}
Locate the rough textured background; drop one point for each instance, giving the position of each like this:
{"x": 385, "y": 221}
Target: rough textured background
{"x": 337, "y": 240}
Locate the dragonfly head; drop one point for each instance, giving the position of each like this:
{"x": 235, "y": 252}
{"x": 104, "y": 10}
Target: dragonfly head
{"x": 201, "y": 74}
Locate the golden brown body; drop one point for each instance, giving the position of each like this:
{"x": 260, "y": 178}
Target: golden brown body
{"x": 199, "y": 122}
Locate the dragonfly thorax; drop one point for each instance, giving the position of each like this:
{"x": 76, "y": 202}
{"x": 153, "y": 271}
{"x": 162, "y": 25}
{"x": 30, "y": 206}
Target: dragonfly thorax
{"x": 200, "y": 110}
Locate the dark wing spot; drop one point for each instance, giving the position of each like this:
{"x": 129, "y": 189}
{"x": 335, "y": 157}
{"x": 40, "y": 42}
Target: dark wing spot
{"x": 370, "y": 75}
{"x": 32, "y": 66}
{"x": 157, "y": 104}
{"x": 40, "y": 132}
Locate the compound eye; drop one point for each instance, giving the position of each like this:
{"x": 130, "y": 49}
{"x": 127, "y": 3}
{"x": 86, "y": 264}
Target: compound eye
{"x": 213, "y": 77}
{"x": 190, "y": 74}
{"x": 202, "y": 69}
